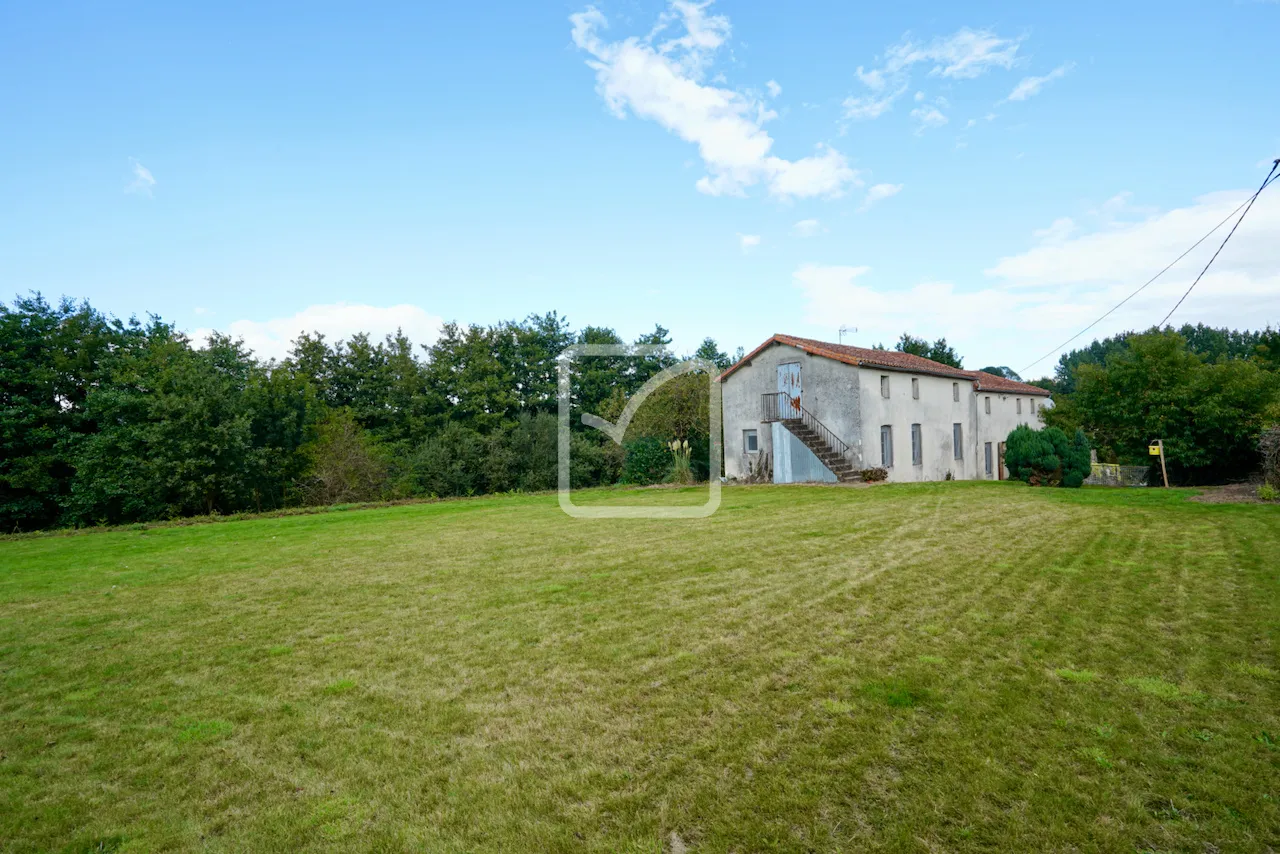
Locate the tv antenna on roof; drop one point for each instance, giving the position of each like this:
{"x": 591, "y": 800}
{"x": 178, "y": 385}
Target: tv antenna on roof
{"x": 844, "y": 329}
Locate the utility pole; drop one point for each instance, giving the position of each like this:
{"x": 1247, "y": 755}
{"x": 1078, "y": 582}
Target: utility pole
{"x": 1158, "y": 449}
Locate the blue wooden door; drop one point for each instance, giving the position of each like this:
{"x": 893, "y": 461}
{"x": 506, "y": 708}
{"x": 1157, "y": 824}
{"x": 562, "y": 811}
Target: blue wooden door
{"x": 789, "y": 384}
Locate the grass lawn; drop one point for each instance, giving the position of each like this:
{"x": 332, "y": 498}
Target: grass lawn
{"x": 941, "y": 667}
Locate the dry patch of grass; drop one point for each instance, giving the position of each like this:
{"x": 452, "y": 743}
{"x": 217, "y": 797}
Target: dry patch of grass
{"x": 935, "y": 667}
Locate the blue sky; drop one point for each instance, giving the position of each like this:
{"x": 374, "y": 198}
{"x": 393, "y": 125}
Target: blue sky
{"x": 996, "y": 173}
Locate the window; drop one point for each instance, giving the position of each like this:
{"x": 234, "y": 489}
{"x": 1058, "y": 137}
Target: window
{"x": 750, "y": 441}
{"x": 987, "y": 452}
{"x": 986, "y": 401}
{"x": 886, "y": 446}
{"x": 955, "y": 391}
{"x": 917, "y": 446}
{"x": 915, "y": 389}
{"x": 1018, "y": 401}
{"x": 884, "y": 386}
{"x": 1033, "y": 406}
{"x": 957, "y": 441}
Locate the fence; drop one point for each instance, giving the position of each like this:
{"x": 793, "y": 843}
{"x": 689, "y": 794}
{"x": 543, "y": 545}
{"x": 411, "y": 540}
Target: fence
{"x": 1111, "y": 474}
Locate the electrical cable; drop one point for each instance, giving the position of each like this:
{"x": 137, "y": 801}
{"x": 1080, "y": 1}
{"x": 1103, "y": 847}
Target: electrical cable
{"x": 1261, "y": 187}
{"x": 1271, "y": 179}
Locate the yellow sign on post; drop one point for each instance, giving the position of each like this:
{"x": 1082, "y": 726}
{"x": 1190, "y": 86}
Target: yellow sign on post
{"x": 1156, "y": 449}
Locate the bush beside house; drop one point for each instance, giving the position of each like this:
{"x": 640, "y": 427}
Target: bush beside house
{"x": 1047, "y": 457}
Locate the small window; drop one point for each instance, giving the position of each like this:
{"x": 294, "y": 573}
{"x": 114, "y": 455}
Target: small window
{"x": 986, "y": 402}
{"x": 1018, "y": 401}
{"x": 750, "y": 441}
{"x": 884, "y": 386}
{"x": 987, "y": 452}
{"x": 957, "y": 440}
{"x": 886, "y": 446}
{"x": 917, "y": 446}
{"x": 915, "y": 389}
{"x": 955, "y": 392}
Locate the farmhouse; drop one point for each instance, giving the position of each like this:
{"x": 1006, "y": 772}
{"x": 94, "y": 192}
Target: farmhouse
{"x": 814, "y": 411}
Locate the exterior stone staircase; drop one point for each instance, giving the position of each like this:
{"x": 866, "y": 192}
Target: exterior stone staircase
{"x": 838, "y": 464}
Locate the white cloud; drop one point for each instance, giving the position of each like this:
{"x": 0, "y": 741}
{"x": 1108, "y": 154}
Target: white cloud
{"x": 927, "y": 118}
{"x": 807, "y": 228}
{"x": 142, "y": 181}
{"x": 747, "y": 242}
{"x": 271, "y": 339}
{"x": 1120, "y": 210}
{"x": 873, "y": 80}
{"x": 1130, "y": 253}
{"x": 878, "y": 193}
{"x": 870, "y": 107}
{"x": 774, "y": 89}
{"x": 1041, "y": 297}
{"x": 1057, "y": 231}
{"x": 963, "y": 55}
{"x": 937, "y": 307}
{"x": 1029, "y": 86}
{"x": 663, "y": 81}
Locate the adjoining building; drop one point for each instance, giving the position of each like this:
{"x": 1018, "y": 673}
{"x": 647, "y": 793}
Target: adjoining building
{"x": 823, "y": 412}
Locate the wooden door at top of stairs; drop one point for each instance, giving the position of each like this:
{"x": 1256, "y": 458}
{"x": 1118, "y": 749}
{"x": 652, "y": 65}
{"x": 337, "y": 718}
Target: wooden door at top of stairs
{"x": 789, "y": 383}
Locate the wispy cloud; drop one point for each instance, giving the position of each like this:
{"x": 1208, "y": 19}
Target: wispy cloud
{"x": 1030, "y": 86}
{"x": 871, "y": 106}
{"x": 928, "y": 117}
{"x": 747, "y": 242}
{"x": 963, "y": 55}
{"x": 663, "y": 80}
{"x": 1129, "y": 252}
{"x": 1056, "y": 232}
{"x": 773, "y": 88}
{"x": 878, "y": 193}
{"x": 143, "y": 181}
{"x": 807, "y": 228}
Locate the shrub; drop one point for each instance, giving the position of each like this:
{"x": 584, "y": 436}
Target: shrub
{"x": 1267, "y": 492}
{"x": 593, "y": 462}
{"x": 523, "y": 457}
{"x": 874, "y": 475}
{"x": 648, "y": 460}
{"x": 700, "y": 458}
{"x": 1269, "y": 448}
{"x": 451, "y": 462}
{"x": 1046, "y": 457}
{"x": 344, "y": 464}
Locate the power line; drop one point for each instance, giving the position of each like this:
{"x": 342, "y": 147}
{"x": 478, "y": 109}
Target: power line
{"x": 1261, "y": 187}
{"x": 1243, "y": 206}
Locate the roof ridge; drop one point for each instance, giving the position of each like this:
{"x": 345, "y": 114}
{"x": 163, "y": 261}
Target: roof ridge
{"x": 890, "y": 360}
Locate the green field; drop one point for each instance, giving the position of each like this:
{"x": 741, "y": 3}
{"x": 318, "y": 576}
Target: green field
{"x": 942, "y": 667}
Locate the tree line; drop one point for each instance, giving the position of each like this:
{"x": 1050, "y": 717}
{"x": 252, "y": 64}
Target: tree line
{"x": 104, "y": 421}
{"x": 1208, "y": 393}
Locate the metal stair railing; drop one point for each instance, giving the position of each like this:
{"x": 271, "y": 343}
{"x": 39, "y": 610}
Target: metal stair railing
{"x": 780, "y": 406}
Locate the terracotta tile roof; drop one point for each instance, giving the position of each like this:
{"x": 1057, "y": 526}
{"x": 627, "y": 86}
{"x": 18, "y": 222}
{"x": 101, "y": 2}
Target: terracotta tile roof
{"x": 990, "y": 382}
{"x": 894, "y": 361}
